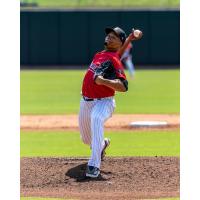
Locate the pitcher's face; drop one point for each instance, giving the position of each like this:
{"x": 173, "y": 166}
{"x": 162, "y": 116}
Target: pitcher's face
{"x": 112, "y": 42}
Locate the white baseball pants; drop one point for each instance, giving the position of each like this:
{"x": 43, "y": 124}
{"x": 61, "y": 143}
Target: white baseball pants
{"x": 130, "y": 66}
{"x": 92, "y": 116}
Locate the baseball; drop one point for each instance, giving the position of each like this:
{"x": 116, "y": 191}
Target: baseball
{"x": 137, "y": 33}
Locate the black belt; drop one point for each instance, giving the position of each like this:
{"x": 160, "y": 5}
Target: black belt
{"x": 90, "y": 99}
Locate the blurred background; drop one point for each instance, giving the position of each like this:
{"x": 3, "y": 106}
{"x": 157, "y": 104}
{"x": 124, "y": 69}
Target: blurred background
{"x": 64, "y": 33}
{"x": 101, "y": 3}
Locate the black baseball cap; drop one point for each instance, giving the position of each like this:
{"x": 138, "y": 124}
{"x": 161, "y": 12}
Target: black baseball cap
{"x": 118, "y": 31}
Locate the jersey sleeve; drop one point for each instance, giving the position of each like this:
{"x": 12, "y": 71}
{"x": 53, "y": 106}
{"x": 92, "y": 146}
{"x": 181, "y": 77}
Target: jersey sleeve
{"x": 119, "y": 68}
{"x": 120, "y": 74}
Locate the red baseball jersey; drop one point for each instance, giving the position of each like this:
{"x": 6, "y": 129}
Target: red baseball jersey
{"x": 90, "y": 88}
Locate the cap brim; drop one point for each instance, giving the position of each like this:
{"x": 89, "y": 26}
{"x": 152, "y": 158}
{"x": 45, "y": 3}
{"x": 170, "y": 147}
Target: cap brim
{"x": 108, "y": 30}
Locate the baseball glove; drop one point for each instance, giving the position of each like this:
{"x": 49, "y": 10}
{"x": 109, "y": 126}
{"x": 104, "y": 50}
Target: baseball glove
{"x": 107, "y": 70}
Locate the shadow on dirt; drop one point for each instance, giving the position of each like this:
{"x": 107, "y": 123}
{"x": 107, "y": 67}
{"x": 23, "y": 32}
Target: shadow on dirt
{"x": 78, "y": 173}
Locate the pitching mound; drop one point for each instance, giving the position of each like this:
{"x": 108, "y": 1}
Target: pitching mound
{"x": 121, "y": 178}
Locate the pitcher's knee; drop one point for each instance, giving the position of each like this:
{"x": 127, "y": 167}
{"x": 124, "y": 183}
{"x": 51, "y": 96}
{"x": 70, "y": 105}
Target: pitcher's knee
{"x": 97, "y": 120}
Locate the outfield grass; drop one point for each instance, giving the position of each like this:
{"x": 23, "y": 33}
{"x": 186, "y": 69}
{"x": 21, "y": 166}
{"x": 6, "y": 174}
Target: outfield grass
{"x": 68, "y": 144}
{"x": 58, "y": 92}
{"x": 106, "y": 3}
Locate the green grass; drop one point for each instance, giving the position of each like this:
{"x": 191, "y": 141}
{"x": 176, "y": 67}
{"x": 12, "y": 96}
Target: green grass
{"x": 58, "y": 92}
{"x": 68, "y": 144}
{"x": 106, "y": 3}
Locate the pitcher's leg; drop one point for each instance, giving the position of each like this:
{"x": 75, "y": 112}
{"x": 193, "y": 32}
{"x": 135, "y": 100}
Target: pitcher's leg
{"x": 85, "y": 121}
{"x": 101, "y": 112}
{"x": 130, "y": 66}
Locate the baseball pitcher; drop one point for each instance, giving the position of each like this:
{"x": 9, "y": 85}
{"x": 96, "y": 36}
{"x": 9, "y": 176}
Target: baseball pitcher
{"x": 104, "y": 76}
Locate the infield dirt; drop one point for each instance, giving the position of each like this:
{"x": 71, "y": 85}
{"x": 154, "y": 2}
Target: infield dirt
{"x": 117, "y": 122}
{"x": 121, "y": 178}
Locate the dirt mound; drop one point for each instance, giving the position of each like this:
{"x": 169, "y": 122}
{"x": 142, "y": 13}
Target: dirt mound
{"x": 121, "y": 178}
{"x": 117, "y": 122}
